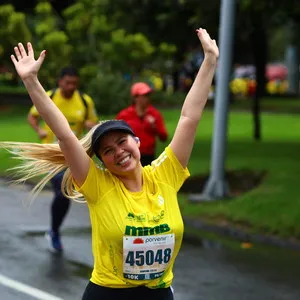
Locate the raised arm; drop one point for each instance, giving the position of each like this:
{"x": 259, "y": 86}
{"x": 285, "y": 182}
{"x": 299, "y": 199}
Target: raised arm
{"x": 184, "y": 136}
{"x": 27, "y": 68}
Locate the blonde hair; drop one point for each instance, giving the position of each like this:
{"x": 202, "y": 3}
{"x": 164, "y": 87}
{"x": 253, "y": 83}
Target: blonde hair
{"x": 45, "y": 160}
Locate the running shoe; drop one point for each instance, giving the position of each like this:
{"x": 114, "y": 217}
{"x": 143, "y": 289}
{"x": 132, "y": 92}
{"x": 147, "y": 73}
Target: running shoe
{"x": 54, "y": 241}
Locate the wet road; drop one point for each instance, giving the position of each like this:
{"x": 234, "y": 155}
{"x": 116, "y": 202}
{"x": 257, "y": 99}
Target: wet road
{"x": 211, "y": 272}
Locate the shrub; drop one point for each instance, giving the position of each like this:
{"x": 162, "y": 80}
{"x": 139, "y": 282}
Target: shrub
{"x": 111, "y": 93}
{"x": 164, "y": 99}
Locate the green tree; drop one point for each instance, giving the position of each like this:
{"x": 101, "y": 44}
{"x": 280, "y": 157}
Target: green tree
{"x": 13, "y": 29}
{"x": 87, "y": 27}
{"x": 255, "y": 22}
{"x": 49, "y": 35}
{"x": 105, "y": 50}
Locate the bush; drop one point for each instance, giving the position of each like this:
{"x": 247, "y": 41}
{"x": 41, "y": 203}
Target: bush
{"x": 111, "y": 93}
{"x": 163, "y": 99}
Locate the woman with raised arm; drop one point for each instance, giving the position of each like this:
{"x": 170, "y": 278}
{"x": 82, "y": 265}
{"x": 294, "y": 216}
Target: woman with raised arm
{"x": 136, "y": 223}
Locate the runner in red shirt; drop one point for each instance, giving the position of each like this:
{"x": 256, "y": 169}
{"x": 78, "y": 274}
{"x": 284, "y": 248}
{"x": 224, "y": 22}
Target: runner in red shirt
{"x": 145, "y": 120}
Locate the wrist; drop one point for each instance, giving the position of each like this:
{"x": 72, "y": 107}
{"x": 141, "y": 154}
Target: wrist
{"x": 30, "y": 79}
{"x": 210, "y": 58}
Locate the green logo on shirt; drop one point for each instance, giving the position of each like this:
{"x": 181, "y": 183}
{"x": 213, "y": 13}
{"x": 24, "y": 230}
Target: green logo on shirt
{"x": 141, "y": 231}
{"x": 146, "y": 217}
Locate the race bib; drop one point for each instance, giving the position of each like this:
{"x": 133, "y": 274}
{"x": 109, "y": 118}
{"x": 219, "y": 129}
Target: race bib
{"x": 147, "y": 257}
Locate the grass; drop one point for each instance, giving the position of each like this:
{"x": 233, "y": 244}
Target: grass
{"x": 272, "y": 208}
{"x": 14, "y": 126}
{"x": 275, "y": 104}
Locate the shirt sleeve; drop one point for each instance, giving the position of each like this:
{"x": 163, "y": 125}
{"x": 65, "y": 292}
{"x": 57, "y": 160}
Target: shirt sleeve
{"x": 96, "y": 184}
{"x": 92, "y": 113}
{"x": 169, "y": 170}
{"x": 33, "y": 111}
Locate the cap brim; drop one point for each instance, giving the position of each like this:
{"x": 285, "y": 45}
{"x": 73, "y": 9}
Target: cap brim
{"x": 103, "y": 131}
{"x": 107, "y": 130}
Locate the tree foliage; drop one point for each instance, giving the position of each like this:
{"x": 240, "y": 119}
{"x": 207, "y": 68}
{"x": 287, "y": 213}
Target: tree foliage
{"x": 13, "y": 29}
{"x": 49, "y": 35}
{"x": 123, "y": 36}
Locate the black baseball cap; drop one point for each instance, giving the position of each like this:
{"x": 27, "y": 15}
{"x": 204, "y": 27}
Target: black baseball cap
{"x": 105, "y": 127}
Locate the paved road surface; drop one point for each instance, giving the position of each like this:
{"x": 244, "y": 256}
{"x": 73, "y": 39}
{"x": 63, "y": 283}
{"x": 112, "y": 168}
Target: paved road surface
{"x": 211, "y": 272}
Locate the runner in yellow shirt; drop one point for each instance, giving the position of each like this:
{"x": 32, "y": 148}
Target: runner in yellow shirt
{"x": 137, "y": 227}
{"x": 79, "y": 110}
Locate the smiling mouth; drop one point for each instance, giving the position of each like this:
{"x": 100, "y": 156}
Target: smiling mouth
{"x": 124, "y": 160}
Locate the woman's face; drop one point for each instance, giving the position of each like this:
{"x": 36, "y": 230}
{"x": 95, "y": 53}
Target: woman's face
{"x": 119, "y": 152}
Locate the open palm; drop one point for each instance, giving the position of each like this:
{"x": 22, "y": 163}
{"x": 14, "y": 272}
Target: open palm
{"x": 25, "y": 63}
{"x": 209, "y": 46}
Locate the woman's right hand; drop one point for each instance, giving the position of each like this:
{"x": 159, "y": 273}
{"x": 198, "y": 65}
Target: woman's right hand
{"x": 209, "y": 45}
{"x": 24, "y": 62}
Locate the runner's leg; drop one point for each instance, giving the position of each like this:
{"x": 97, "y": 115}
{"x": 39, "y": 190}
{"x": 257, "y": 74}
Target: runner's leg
{"x": 60, "y": 204}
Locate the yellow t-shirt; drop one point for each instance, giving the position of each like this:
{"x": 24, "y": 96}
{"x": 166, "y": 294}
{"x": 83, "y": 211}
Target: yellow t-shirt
{"x": 73, "y": 109}
{"x": 150, "y": 215}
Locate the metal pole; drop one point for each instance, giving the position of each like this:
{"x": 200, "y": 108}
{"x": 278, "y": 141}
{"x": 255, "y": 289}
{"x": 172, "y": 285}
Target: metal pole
{"x": 293, "y": 69}
{"x": 292, "y": 57}
{"x": 216, "y": 186}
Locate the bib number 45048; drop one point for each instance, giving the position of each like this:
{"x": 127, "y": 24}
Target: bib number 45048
{"x": 149, "y": 257}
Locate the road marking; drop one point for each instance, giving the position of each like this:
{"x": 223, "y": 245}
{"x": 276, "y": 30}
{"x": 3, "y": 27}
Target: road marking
{"x": 26, "y": 289}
